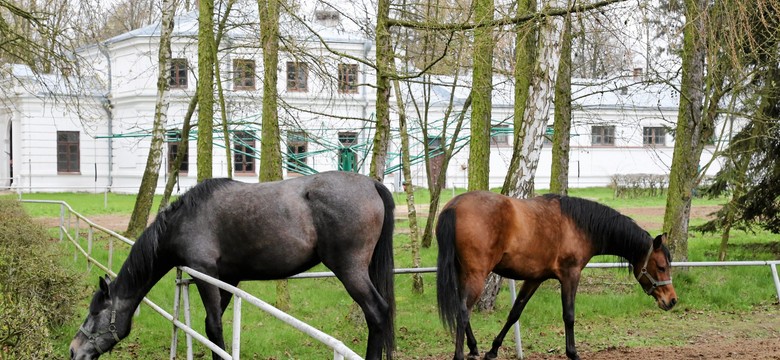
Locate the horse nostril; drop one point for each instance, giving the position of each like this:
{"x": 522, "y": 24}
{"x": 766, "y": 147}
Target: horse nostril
{"x": 673, "y": 302}
{"x": 72, "y": 354}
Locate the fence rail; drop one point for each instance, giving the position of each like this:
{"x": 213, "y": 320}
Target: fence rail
{"x": 341, "y": 351}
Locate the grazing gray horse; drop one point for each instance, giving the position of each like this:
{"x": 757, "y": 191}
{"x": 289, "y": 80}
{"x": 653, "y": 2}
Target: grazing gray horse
{"x": 235, "y": 231}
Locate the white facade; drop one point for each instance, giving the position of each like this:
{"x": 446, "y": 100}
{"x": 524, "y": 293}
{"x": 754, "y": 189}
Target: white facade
{"x": 113, "y": 117}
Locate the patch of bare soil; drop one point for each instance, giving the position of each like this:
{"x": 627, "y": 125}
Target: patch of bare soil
{"x": 642, "y": 213}
{"x": 116, "y": 223}
{"x": 760, "y": 349}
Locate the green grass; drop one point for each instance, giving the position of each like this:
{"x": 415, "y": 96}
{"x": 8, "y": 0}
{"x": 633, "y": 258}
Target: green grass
{"x": 611, "y": 308}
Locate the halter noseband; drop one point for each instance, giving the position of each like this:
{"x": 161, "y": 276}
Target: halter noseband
{"x": 653, "y": 282}
{"x": 94, "y": 336}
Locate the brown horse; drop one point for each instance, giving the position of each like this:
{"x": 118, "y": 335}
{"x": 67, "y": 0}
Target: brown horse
{"x": 548, "y": 237}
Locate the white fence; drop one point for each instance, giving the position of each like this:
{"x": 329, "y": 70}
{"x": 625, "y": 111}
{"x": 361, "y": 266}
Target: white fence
{"x": 340, "y": 350}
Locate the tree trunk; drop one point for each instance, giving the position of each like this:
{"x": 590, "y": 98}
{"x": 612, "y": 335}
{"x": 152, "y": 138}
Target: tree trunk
{"x": 479, "y": 146}
{"x": 559, "y": 174}
{"x": 383, "y": 64}
{"x": 525, "y": 59}
{"x": 270, "y": 149}
{"x": 221, "y": 93}
{"x": 436, "y": 192}
{"x": 205, "y": 89}
{"x": 482, "y": 86}
{"x": 691, "y": 133}
{"x": 417, "y": 281}
{"x": 145, "y": 197}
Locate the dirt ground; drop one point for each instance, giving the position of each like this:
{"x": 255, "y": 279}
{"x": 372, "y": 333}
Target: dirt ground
{"x": 730, "y": 342}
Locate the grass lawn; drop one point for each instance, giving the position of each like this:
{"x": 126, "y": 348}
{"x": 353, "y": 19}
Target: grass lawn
{"x": 611, "y": 308}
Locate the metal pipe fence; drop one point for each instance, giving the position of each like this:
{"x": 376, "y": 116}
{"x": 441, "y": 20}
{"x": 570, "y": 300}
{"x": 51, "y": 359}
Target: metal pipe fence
{"x": 341, "y": 351}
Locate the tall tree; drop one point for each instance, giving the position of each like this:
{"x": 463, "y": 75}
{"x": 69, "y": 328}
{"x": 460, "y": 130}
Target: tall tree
{"x": 270, "y": 151}
{"x": 694, "y": 128}
{"x": 145, "y": 197}
{"x": 482, "y": 91}
{"x": 559, "y": 174}
{"x": 206, "y": 63}
{"x": 383, "y": 66}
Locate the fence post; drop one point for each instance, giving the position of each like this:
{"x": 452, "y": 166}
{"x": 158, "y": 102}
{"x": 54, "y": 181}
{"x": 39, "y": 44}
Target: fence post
{"x": 89, "y": 248}
{"x": 236, "y": 354}
{"x": 518, "y": 337}
{"x": 176, "y": 303}
{"x": 111, "y": 253}
{"x": 776, "y": 278}
{"x": 62, "y": 221}
{"x": 187, "y": 321}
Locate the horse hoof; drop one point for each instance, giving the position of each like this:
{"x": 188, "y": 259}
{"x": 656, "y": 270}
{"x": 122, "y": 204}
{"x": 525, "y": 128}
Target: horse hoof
{"x": 490, "y": 356}
{"x": 474, "y": 356}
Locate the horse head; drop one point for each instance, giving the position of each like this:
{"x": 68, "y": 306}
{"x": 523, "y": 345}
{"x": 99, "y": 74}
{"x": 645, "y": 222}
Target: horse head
{"x": 106, "y": 324}
{"x": 654, "y": 273}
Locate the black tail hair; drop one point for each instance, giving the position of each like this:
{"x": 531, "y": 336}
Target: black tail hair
{"x": 447, "y": 289}
{"x": 381, "y": 269}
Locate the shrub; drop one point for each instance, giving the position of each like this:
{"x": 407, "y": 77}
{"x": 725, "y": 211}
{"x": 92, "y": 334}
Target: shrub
{"x": 36, "y": 293}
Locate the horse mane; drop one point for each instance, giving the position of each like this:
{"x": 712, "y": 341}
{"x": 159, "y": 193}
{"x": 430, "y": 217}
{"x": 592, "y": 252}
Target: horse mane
{"x": 140, "y": 263}
{"x": 610, "y": 231}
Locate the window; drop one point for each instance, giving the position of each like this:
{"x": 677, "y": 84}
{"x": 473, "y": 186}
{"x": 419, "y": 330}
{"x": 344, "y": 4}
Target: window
{"x": 68, "y": 152}
{"x": 500, "y": 135}
{"x": 244, "y": 152}
{"x": 602, "y": 135}
{"x": 174, "y": 137}
{"x": 348, "y": 77}
{"x": 654, "y": 136}
{"x": 297, "y": 76}
{"x": 178, "y": 74}
{"x": 548, "y": 135}
{"x": 243, "y": 74}
{"x": 347, "y": 156}
{"x": 296, "y": 151}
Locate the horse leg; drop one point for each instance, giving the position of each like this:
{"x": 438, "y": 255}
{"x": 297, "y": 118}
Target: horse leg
{"x": 210, "y": 295}
{"x": 526, "y": 291}
{"x": 568, "y": 293}
{"x": 374, "y": 307}
{"x": 472, "y": 289}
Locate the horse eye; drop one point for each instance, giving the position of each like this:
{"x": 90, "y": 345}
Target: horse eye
{"x": 661, "y": 269}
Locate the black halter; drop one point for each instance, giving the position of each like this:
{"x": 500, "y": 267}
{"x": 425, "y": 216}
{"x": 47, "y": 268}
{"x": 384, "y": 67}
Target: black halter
{"x": 96, "y": 335}
{"x": 653, "y": 282}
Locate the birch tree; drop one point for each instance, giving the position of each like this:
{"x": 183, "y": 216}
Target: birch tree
{"x": 145, "y": 197}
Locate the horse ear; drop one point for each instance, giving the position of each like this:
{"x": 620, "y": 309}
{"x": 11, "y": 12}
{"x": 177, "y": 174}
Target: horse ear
{"x": 660, "y": 239}
{"x": 103, "y": 283}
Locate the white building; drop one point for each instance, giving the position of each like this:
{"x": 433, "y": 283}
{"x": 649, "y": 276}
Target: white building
{"x": 89, "y": 133}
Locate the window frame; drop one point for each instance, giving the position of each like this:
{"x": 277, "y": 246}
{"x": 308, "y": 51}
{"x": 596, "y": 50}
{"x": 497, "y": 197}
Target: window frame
{"x": 244, "y": 150}
{"x": 651, "y": 138}
{"x": 178, "y": 73}
{"x": 68, "y": 146}
{"x": 173, "y": 137}
{"x": 300, "y": 74}
{"x": 603, "y": 133}
{"x": 348, "y": 75}
{"x": 501, "y": 139}
{"x": 244, "y": 72}
{"x": 297, "y": 141}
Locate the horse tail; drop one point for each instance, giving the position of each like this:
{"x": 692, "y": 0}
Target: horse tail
{"x": 381, "y": 269}
{"x": 447, "y": 289}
